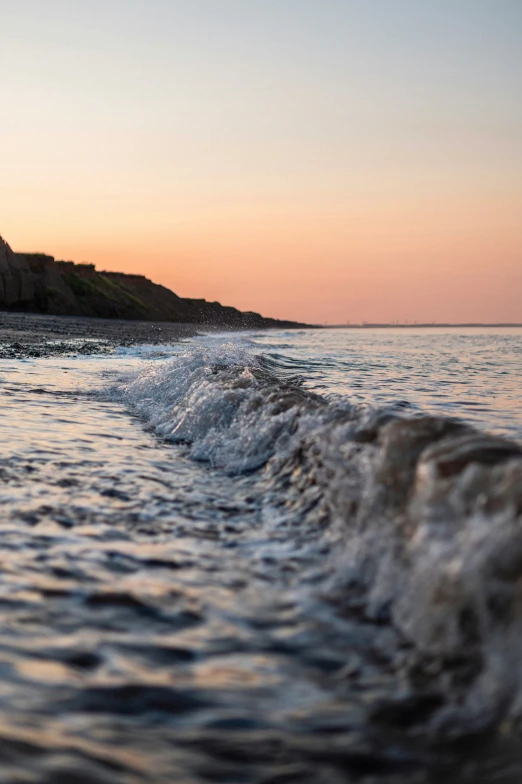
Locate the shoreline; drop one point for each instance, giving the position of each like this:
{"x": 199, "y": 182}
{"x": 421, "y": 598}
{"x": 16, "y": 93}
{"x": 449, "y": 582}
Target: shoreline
{"x": 438, "y": 325}
{"x": 33, "y": 335}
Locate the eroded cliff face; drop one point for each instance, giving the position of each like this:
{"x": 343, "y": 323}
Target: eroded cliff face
{"x": 16, "y": 279}
{"x": 36, "y": 283}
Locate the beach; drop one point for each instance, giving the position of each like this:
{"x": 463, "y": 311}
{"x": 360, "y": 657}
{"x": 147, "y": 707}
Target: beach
{"x": 261, "y": 393}
{"x": 35, "y": 335}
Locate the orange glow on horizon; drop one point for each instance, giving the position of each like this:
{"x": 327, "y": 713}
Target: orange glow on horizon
{"x": 435, "y": 260}
{"x": 368, "y": 169}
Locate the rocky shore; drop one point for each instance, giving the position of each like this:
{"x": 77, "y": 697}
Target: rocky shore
{"x": 37, "y": 283}
{"x": 36, "y": 335}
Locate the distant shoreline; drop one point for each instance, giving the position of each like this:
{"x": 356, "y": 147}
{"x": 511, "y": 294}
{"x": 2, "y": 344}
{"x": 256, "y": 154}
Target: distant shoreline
{"x": 38, "y": 283}
{"x": 473, "y": 325}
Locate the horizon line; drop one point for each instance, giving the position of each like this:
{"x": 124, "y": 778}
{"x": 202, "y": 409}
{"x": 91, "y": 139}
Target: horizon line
{"x": 424, "y": 325}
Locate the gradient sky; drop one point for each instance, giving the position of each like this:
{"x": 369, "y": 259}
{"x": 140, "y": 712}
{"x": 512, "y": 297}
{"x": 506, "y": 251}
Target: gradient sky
{"x": 323, "y": 160}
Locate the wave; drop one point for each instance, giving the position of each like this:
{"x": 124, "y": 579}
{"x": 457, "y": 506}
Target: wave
{"x": 425, "y": 512}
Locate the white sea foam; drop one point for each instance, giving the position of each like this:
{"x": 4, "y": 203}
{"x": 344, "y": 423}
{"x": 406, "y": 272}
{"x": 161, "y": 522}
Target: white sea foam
{"x": 221, "y": 402}
{"x": 426, "y": 511}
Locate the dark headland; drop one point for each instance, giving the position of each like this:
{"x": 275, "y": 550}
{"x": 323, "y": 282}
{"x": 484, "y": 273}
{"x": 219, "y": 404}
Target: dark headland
{"x": 46, "y": 302}
{"x": 37, "y": 283}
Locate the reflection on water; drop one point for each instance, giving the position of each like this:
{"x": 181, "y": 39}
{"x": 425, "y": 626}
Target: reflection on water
{"x": 151, "y": 624}
{"x": 162, "y": 622}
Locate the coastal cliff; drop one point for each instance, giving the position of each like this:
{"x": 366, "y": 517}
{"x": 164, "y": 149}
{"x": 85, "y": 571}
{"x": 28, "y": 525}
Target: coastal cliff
{"x": 37, "y": 283}
{"x": 16, "y": 279}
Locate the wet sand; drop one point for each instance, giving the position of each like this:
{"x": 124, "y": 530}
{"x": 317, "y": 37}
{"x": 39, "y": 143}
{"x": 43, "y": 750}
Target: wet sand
{"x": 35, "y": 335}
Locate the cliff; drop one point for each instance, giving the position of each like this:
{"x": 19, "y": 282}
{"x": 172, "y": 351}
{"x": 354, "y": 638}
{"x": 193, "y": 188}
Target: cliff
{"x": 37, "y": 283}
{"x": 16, "y": 279}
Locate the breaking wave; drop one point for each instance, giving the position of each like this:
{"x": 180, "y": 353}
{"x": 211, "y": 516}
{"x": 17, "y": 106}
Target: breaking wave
{"x": 425, "y": 512}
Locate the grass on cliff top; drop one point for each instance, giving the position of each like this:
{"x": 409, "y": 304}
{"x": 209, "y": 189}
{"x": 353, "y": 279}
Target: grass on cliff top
{"x": 100, "y": 286}
{"x": 111, "y": 285}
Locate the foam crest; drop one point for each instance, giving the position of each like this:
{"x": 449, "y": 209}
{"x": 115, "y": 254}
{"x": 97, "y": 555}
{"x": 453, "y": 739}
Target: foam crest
{"x": 425, "y": 512}
{"x": 232, "y": 412}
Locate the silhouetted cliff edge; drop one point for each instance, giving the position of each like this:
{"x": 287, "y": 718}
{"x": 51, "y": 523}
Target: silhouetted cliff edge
{"x": 36, "y": 283}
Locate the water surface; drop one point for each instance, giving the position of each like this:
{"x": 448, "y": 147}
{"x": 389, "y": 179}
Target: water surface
{"x": 204, "y": 577}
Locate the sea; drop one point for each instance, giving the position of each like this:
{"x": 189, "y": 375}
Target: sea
{"x": 264, "y": 558}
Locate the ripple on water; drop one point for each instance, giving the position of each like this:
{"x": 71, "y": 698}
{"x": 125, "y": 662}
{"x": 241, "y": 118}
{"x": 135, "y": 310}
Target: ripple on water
{"x": 161, "y": 618}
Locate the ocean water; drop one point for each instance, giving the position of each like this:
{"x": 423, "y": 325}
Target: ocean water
{"x": 268, "y": 557}
{"x": 471, "y": 373}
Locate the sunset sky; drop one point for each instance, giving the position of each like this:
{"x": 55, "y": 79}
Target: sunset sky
{"x": 322, "y": 160}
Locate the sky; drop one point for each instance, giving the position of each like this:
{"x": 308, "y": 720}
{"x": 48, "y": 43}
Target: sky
{"x": 320, "y": 160}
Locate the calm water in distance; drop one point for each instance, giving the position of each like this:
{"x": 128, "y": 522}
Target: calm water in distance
{"x": 473, "y": 373}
